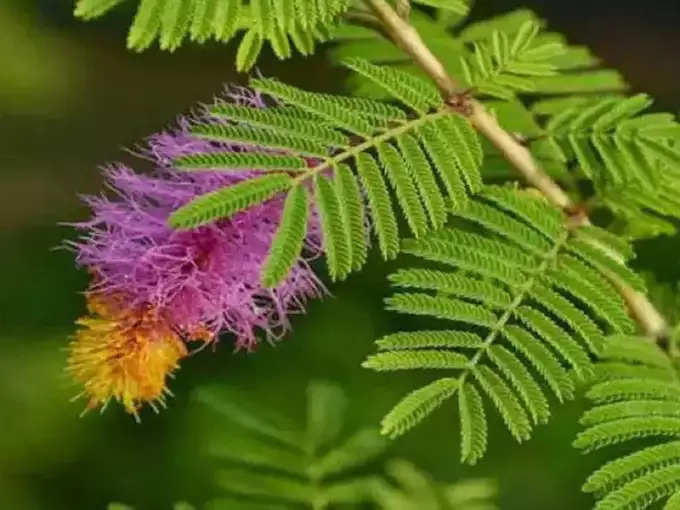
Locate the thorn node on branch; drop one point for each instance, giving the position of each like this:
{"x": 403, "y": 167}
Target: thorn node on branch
{"x": 461, "y": 102}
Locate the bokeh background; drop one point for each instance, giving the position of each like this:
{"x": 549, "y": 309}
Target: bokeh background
{"x": 72, "y": 98}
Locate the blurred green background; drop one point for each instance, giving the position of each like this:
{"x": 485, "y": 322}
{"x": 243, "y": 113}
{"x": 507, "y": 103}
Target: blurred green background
{"x": 72, "y": 98}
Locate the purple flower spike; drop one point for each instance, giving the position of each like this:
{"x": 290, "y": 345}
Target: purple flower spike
{"x": 203, "y": 280}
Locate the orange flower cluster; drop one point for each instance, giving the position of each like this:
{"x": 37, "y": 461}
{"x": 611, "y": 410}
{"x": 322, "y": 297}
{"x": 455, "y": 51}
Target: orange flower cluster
{"x": 125, "y": 355}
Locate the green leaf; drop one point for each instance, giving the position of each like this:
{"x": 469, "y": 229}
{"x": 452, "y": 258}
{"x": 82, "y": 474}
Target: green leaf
{"x": 248, "y": 50}
{"x": 465, "y": 145}
{"x": 506, "y": 402}
{"x": 424, "y": 179}
{"x": 351, "y": 204}
{"x": 202, "y": 19}
{"x": 410, "y": 360}
{"x": 465, "y": 258}
{"x": 543, "y": 360}
{"x": 175, "y": 22}
{"x": 417, "y": 405}
{"x": 639, "y": 388}
{"x": 334, "y": 229}
{"x": 260, "y": 138}
{"x": 504, "y": 225}
{"x": 606, "y": 264}
{"x": 507, "y": 291}
{"x": 146, "y": 25}
{"x": 473, "y": 427}
{"x": 315, "y": 104}
{"x": 412, "y": 91}
{"x": 291, "y": 121}
{"x": 626, "y": 429}
{"x": 90, "y": 9}
{"x": 445, "y": 163}
{"x": 442, "y": 308}
{"x": 239, "y": 161}
{"x": 430, "y": 339}
{"x": 326, "y": 406}
{"x": 226, "y": 19}
{"x": 620, "y": 470}
{"x": 361, "y": 448}
{"x": 584, "y": 283}
{"x": 577, "y": 320}
{"x": 407, "y": 195}
{"x": 453, "y": 284}
{"x": 289, "y": 239}
{"x": 649, "y": 488}
{"x": 523, "y": 382}
{"x": 535, "y": 212}
{"x": 226, "y": 202}
{"x": 559, "y": 339}
{"x": 380, "y": 204}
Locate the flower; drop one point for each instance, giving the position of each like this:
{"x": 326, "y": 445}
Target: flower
{"x": 153, "y": 286}
{"x": 124, "y": 354}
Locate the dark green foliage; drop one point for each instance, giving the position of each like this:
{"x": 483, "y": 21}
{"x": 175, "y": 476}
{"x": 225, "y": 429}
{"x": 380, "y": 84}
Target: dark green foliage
{"x": 631, "y": 156}
{"x": 413, "y": 489}
{"x": 289, "y": 238}
{"x": 225, "y": 202}
{"x": 284, "y": 24}
{"x": 500, "y": 57}
{"x": 527, "y": 296}
{"x": 631, "y": 404}
{"x": 519, "y": 323}
{"x": 271, "y": 461}
{"x": 336, "y": 146}
{"x": 597, "y": 135}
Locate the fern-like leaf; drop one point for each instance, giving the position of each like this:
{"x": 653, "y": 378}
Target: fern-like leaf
{"x": 426, "y": 339}
{"x": 424, "y": 179}
{"x": 380, "y": 205}
{"x": 236, "y": 161}
{"x": 146, "y": 25}
{"x": 282, "y": 23}
{"x": 473, "y": 428}
{"x": 411, "y": 488}
{"x": 352, "y": 207}
{"x": 505, "y": 64}
{"x": 90, "y": 9}
{"x": 349, "y": 152}
{"x": 335, "y": 234}
{"x": 512, "y": 317}
{"x": 415, "y": 406}
{"x": 227, "y": 201}
{"x": 400, "y": 178}
{"x": 631, "y": 406}
{"x": 289, "y": 238}
{"x": 410, "y": 360}
{"x": 316, "y": 466}
{"x": 454, "y": 284}
{"x": 500, "y": 57}
{"x": 413, "y": 92}
{"x": 629, "y": 154}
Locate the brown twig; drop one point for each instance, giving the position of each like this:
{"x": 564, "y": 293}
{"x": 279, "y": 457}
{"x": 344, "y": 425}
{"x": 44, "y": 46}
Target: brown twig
{"x": 406, "y": 37}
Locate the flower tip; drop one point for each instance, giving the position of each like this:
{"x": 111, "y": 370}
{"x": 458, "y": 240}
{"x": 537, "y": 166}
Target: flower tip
{"x": 124, "y": 355}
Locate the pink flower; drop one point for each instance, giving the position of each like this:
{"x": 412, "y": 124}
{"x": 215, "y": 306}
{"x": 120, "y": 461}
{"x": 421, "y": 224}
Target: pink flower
{"x": 196, "y": 283}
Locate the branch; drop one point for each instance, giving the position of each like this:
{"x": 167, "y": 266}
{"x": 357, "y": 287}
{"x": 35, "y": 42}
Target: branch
{"x": 408, "y": 39}
{"x": 365, "y": 19}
